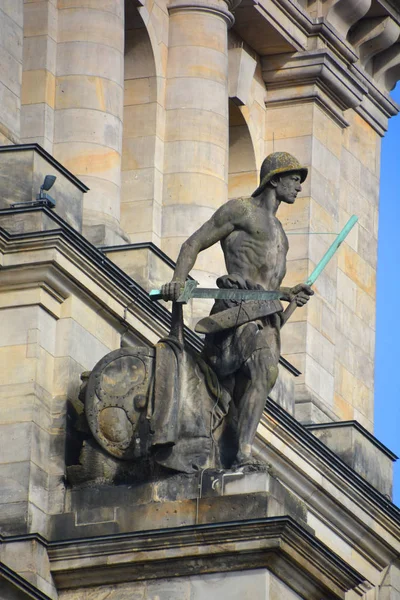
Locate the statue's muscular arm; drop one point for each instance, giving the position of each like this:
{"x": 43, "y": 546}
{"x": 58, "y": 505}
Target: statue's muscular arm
{"x": 225, "y": 220}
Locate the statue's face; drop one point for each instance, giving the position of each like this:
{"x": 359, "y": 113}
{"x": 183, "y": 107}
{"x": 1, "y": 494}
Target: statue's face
{"x": 287, "y": 187}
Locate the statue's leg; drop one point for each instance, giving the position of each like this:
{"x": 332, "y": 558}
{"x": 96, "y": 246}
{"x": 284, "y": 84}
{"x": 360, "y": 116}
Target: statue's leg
{"x": 261, "y": 371}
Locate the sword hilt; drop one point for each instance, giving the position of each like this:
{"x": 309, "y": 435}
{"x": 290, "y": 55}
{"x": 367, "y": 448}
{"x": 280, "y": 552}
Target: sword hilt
{"x": 185, "y": 296}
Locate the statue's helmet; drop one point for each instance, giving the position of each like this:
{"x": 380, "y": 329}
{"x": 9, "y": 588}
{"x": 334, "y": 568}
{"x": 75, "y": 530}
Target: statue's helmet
{"x": 278, "y": 163}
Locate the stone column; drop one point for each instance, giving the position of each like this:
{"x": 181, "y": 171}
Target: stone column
{"x": 196, "y": 136}
{"x": 89, "y": 105}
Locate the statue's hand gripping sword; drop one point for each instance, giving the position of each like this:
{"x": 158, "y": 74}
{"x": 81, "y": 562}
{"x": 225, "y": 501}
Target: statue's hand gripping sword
{"x": 191, "y": 290}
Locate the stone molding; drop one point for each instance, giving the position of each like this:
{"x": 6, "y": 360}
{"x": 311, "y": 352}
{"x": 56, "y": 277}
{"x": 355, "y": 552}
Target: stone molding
{"x": 343, "y": 14}
{"x": 365, "y": 53}
{"x": 221, "y": 8}
{"x": 315, "y": 76}
{"x": 276, "y": 543}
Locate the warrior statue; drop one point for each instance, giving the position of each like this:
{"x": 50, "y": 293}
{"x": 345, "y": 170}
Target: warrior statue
{"x": 185, "y": 412}
{"x": 245, "y": 354}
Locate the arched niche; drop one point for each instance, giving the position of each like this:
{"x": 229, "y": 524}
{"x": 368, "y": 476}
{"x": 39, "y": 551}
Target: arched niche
{"x": 140, "y": 176}
{"x": 242, "y": 172}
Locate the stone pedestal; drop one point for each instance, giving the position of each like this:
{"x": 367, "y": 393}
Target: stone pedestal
{"x": 196, "y": 537}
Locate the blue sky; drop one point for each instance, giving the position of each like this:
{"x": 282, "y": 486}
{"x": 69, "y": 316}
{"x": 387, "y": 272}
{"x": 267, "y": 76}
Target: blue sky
{"x": 387, "y": 357}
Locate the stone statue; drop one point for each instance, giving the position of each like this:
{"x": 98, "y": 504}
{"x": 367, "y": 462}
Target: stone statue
{"x": 171, "y": 408}
{"x": 245, "y": 357}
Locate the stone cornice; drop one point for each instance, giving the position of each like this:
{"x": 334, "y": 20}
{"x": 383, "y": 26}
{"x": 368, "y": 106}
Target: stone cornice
{"x": 316, "y": 75}
{"x": 367, "y": 49}
{"x": 276, "y": 543}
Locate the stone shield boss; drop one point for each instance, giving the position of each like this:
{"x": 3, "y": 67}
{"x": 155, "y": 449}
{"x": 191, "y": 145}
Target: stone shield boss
{"x": 116, "y": 401}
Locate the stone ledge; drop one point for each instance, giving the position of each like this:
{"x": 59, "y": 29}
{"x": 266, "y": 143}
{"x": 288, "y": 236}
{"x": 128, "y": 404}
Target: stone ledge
{"x": 295, "y": 435}
{"x": 360, "y": 450}
{"x": 208, "y": 497}
{"x": 279, "y": 544}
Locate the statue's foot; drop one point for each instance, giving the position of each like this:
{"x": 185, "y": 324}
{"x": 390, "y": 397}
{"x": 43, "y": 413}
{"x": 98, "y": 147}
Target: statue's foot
{"x": 249, "y": 463}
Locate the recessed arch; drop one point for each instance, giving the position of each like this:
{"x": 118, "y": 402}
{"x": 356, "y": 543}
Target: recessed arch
{"x": 140, "y": 176}
{"x": 242, "y": 171}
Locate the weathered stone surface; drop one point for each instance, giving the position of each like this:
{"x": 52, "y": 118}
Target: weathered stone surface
{"x": 360, "y": 450}
{"x": 254, "y": 584}
{"x": 175, "y": 501}
{"x": 22, "y": 172}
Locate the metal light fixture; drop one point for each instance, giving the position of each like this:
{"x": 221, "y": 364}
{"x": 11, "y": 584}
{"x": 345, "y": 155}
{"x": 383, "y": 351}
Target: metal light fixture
{"x": 44, "y": 188}
{"x": 42, "y": 198}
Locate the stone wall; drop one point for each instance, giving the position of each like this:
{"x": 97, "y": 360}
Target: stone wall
{"x": 258, "y": 584}
{"x": 11, "y": 46}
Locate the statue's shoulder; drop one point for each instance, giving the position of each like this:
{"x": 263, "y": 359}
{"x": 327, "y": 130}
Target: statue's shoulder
{"x": 238, "y": 206}
{"x": 240, "y": 200}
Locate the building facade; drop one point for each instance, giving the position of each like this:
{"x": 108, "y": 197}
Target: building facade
{"x": 151, "y": 115}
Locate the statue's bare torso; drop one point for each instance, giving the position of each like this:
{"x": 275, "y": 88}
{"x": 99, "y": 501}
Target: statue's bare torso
{"x": 257, "y": 247}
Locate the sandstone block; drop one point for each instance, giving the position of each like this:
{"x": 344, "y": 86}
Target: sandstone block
{"x": 197, "y": 93}
{"x": 141, "y": 184}
{"x": 197, "y": 61}
{"x": 204, "y": 30}
{"x": 105, "y": 26}
{"x": 84, "y": 58}
{"x": 319, "y": 380}
{"x": 37, "y": 120}
{"x": 90, "y": 126}
{"x": 193, "y": 189}
{"x": 90, "y": 92}
{"x": 327, "y": 131}
{"x": 142, "y": 120}
{"x": 38, "y": 86}
{"x": 86, "y": 159}
{"x": 40, "y": 18}
{"x": 195, "y": 124}
{"x": 197, "y": 157}
{"x": 39, "y": 53}
{"x": 110, "y": 6}
{"x": 140, "y": 90}
{"x": 14, "y": 10}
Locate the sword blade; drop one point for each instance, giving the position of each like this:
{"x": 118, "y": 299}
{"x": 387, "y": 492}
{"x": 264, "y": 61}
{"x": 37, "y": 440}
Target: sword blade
{"x": 331, "y": 250}
{"x": 222, "y": 294}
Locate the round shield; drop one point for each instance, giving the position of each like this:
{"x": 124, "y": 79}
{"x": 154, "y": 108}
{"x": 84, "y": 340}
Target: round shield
{"x": 116, "y": 400}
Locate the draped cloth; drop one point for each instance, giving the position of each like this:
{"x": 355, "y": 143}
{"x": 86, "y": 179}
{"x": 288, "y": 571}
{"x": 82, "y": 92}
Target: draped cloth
{"x": 228, "y": 350}
{"x": 188, "y": 406}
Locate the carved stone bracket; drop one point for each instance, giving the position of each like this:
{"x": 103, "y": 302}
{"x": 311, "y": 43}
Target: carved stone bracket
{"x": 387, "y": 67}
{"x": 343, "y": 14}
{"x": 372, "y": 36}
